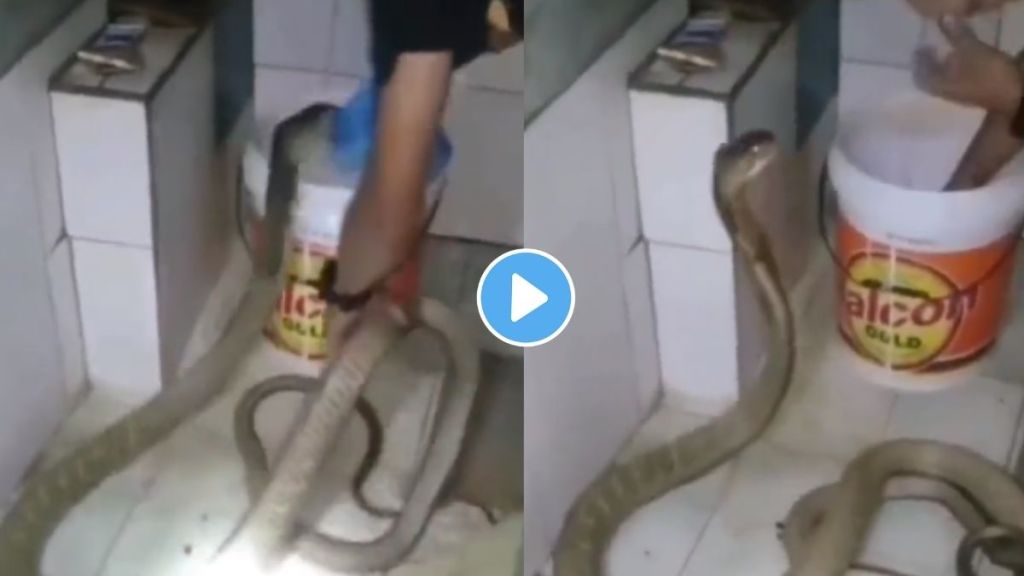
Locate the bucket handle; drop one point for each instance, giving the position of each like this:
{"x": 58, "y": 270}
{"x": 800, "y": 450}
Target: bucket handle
{"x": 824, "y": 183}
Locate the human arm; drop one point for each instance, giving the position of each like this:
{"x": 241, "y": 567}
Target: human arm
{"x": 975, "y": 74}
{"x": 387, "y": 216}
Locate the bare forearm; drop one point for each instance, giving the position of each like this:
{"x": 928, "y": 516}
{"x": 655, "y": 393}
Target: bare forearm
{"x": 383, "y": 226}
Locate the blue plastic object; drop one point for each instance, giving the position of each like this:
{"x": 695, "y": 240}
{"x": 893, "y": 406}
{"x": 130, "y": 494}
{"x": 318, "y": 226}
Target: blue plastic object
{"x": 354, "y": 131}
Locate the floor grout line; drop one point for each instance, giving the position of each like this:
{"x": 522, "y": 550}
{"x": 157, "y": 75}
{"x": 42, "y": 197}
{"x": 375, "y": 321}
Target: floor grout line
{"x": 719, "y": 504}
{"x": 122, "y": 528}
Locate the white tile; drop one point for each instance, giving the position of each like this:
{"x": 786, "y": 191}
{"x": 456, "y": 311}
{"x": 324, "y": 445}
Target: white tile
{"x": 29, "y": 338}
{"x": 741, "y": 538}
{"x": 658, "y": 538}
{"x": 65, "y": 303}
{"x": 914, "y": 538}
{"x": 1011, "y": 31}
{"x": 608, "y": 93}
{"x": 295, "y": 34}
{"x": 82, "y": 542}
{"x": 189, "y": 511}
{"x": 338, "y": 89}
{"x": 350, "y": 38}
{"x": 951, "y": 416}
{"x": 33, "y": 73}
{"x": 830, "y": 410}
{"x": 879, "y": 31}
{"x": 571, "y": 432}
{"x": 865, "y": 85}
{"x": 117, "y": 295}
{"x": 503, "y": 71}
{"x": 103, "y": 150}
{"x": 280, "y": 92}
{"x": 220, "y": 306}
{"x": 484, "y": 197}
{"x": 695, "y": 312}
{"x": 675, "y": 139}
{"x": 640, "y": 306}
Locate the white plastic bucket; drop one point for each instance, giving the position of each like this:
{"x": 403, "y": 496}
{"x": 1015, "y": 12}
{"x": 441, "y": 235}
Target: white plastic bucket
{"x": 923, "y": 274}
{"x": 322, "y": 200}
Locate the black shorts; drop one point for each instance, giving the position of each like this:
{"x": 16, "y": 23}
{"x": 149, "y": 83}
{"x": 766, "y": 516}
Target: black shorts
{"x": 401, "y": 26}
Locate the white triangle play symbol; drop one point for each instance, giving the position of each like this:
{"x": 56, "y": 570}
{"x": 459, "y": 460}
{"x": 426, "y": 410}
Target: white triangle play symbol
{"x": 525, "y": 298}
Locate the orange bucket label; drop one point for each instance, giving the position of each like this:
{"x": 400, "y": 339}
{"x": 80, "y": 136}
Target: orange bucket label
{"x": 298, "y": 323}
{"x": 921, "y": 311}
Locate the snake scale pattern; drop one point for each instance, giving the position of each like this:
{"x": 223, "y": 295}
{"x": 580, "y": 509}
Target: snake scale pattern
{"x": 269, "y": 529}
{"x": 826, "y": 530}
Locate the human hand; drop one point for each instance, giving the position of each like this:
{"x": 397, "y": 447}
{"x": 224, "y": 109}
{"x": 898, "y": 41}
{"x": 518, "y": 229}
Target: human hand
{"x": 933, "y": 9}
{"x": 504, "y": 25}
{"x": 972, "y": 73}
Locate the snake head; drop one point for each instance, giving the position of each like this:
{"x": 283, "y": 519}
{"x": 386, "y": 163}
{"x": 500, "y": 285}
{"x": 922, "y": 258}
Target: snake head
{"x": 739, "y": 164}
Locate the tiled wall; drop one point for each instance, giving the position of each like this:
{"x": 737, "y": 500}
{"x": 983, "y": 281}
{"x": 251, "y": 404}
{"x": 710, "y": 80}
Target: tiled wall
{"x": 40, "y": 338}
{"x": 588, "y": 390}
{"x": 708, "y": 323}
{"x": 879, "y": 38}
{"x": 309, "y": 50}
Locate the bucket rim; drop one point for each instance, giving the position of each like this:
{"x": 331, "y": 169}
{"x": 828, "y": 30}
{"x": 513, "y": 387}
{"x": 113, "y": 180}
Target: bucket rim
{"x": 1001, "y": 185}
{"x": 857, "y": 119}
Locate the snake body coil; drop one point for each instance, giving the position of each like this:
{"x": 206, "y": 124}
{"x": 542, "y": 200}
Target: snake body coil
{"x": 826, "y": 529}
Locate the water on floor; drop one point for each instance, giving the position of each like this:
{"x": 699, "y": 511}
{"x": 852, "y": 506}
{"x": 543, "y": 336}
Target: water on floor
{"x": 166, "y": 515}
{"x": 726, "y": 523}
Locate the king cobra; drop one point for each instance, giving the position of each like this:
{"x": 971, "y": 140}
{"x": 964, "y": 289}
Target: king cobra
{"x": 269, "y": 529}
{"x": 825, "y": 532}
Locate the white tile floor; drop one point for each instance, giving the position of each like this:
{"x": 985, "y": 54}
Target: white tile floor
{"x": 166, "y": 514}
{"x": 725, "y": 524}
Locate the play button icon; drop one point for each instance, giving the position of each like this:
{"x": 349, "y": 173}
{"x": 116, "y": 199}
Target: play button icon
{"x": 526, "y": 297}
